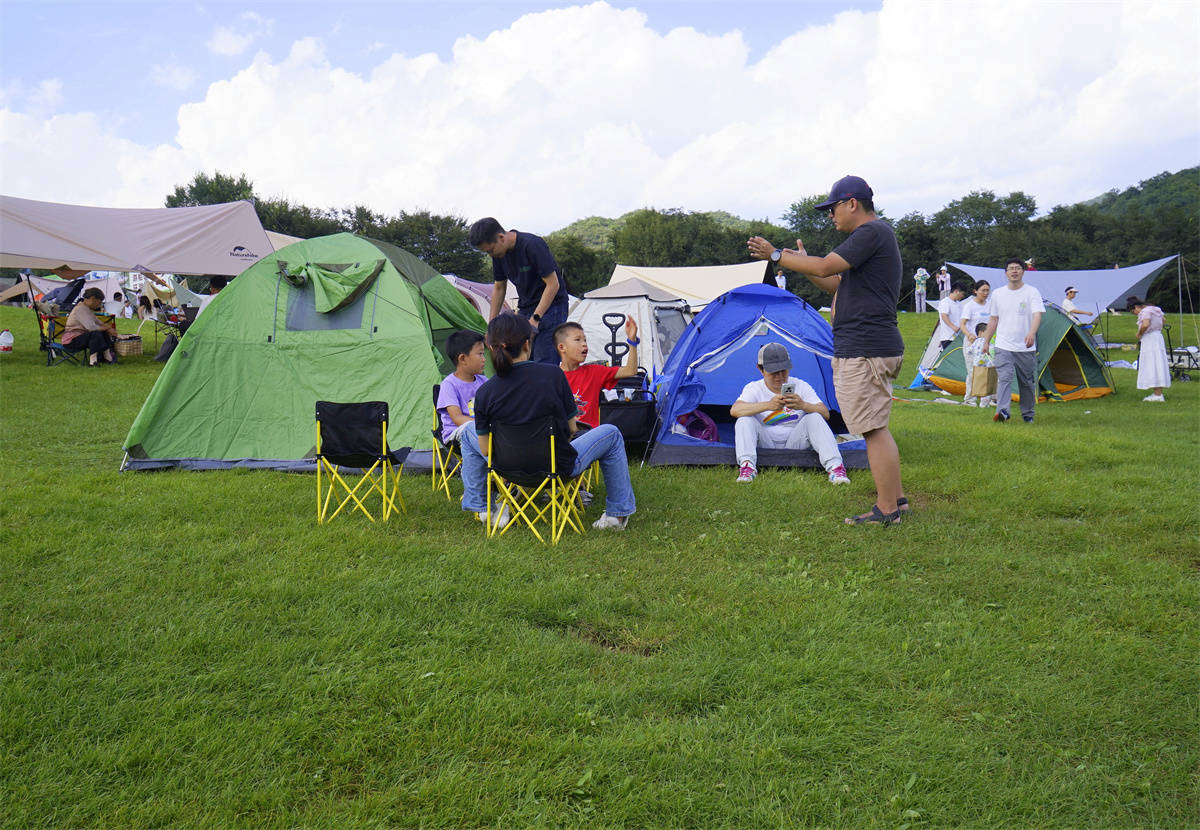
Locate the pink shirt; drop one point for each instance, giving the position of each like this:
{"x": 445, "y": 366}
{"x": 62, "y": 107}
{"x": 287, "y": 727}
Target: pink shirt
{"x": 1153, "y": 315}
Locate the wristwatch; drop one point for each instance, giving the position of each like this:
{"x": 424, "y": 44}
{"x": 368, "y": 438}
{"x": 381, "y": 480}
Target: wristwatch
{"x": 776, "y": 254}
{"x": 535, "y": 317}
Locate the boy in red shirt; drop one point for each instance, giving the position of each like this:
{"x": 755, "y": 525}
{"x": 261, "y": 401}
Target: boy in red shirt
{"x": 587, "y": 381}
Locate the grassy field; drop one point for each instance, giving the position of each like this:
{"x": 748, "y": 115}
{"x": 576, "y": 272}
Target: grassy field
{"x": 191, "y": 650}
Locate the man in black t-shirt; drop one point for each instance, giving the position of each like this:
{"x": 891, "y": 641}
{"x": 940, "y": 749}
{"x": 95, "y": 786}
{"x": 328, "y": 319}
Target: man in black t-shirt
{"x": 863, "y": 274}
{"x": 525, "y": 260}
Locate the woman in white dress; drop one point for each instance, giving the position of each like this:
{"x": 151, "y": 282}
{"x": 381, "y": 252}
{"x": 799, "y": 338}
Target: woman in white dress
{"x": 1154, "y": 370}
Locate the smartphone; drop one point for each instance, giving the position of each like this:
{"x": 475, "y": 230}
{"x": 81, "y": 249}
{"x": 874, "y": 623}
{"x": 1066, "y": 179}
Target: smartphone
{"x": 788, "y": 388}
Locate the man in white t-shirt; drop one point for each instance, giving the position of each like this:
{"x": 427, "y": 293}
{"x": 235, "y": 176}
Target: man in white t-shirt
{"x": 949, "y": 314}
{"x": 1017, "y": 311}
{"x": 795, "y": 419}
{"x": 1073, "y": 311}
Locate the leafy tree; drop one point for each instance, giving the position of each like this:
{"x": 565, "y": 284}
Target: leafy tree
{"x": 440, "y": 241}
{"x": 211, "y": 190}
{"x": 585, "y": 267}
{"x": 282, "y": 216}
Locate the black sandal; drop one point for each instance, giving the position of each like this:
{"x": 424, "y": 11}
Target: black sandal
{"x": 875, "y": 517}
{"x": 902, "y": 505}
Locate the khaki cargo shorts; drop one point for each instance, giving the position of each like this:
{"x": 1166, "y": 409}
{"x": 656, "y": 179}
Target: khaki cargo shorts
{"x": 864, "y": 390}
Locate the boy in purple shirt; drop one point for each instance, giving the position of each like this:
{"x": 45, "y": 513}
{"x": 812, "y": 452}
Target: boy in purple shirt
{"x": 456, "y": 400}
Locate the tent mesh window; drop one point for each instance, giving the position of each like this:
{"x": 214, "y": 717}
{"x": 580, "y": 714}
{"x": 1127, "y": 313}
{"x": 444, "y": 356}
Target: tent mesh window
{"x": 302, "y": 312}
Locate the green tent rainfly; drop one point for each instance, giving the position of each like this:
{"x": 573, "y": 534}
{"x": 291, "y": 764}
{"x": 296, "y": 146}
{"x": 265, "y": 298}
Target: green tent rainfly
{"x": 338, "y": 318}
{"x": 1068, "y": 366}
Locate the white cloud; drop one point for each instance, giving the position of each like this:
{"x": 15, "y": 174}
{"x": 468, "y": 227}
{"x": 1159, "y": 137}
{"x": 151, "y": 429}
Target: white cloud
{"x": 172, "y": 76}
{"x": 586, "y": 110}
{"x": 236, "y": 39}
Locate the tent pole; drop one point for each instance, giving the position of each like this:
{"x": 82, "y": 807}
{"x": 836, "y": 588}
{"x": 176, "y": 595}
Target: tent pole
{"x": 1179, "y": 288}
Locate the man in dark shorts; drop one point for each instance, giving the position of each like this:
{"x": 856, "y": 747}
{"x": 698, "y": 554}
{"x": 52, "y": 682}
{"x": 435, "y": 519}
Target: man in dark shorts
{"x": 525, "y": 260}
{"x": 863, "y": 274}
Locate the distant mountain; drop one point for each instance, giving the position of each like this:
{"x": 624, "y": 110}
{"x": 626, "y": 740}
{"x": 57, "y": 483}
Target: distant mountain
{"x": 1166, "y": 190}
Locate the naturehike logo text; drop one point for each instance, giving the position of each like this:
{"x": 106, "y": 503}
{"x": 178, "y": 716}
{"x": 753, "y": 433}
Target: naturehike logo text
{"x": 242, "y": 253}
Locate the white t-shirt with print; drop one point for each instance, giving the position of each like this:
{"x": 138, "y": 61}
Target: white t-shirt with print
{"x": 779, "y": 422}
{"x": 1015, "y": 310}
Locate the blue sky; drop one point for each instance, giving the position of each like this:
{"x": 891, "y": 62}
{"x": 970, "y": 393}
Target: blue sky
{"x": 543, "y": 113}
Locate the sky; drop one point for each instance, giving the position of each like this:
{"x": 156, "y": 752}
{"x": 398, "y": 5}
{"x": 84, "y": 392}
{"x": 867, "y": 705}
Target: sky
{"x": 544, "y": 113}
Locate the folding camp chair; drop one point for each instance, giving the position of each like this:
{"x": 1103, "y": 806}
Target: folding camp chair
{"x": 522, "y": 465}
{"x": 354, "y": 435}
{"x": 447, "y": 456}
{"x": 50, "y": 331}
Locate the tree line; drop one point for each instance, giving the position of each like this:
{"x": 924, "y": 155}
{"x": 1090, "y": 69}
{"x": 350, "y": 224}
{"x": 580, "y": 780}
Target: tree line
{"x": 1158, "y": 217}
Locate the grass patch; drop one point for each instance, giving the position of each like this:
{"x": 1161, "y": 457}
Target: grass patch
{"x": 190, "y": 649}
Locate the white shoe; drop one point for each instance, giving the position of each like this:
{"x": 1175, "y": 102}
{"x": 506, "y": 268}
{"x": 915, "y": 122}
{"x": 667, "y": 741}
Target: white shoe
{"x": 838, "y": 475}
{"x": 1154, "y": 398}
{"x": 501, "y": 521}
{"x": 969, "y": 402}
{"x": 607, "y": 522}
{"x": 746, "y": 473}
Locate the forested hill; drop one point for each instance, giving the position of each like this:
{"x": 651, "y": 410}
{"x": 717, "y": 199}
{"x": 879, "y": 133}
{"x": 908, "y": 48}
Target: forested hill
{"x": 1166, "y": 190}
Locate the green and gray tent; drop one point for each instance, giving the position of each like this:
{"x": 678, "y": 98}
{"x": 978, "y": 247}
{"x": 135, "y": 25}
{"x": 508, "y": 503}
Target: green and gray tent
{"x": 1068, "y": 365}
{"x": 337, "y": 318}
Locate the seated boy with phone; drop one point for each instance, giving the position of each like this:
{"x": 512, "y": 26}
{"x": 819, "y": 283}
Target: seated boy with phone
{"x": 782, "y": 412}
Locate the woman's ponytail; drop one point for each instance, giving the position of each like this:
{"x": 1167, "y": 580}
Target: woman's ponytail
{"x": 507, "y": 335}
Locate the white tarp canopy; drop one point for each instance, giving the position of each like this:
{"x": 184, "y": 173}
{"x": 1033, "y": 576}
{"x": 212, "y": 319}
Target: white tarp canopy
{"x": 697, "y": 285}
{"x": 209, "y": 239}
{"x": 1098, "y": 290}
{"x": 660, "y": 319}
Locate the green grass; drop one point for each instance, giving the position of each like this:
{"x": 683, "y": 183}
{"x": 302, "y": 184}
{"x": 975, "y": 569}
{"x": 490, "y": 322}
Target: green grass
{"x": 191, "y": 650}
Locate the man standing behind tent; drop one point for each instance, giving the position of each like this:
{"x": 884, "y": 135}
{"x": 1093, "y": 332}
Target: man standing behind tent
{"x": 864, "y": 275}
{"x": 1017, "y": 310}
{"x": 525, "y": 260}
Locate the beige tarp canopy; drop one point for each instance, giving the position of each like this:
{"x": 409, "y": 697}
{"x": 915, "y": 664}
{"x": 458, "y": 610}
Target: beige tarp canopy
{"x": 209, "y": 239}
{"x": 698, "y": 285}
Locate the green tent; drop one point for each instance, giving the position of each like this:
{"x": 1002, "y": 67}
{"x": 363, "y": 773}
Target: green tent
{"x": 1068, "y": 365}
{"x": 337, "y": 318}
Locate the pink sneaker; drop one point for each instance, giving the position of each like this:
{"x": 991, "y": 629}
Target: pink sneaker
{"x": 838, "y": 475}
{"x": 746, "y": 473}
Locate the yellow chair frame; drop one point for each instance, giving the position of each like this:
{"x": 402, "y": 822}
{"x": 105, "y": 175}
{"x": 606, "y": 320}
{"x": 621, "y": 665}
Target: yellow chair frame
{"x": 447, "y": 458}
{"x": 381, "y": 477}
{"x": 520, "y": 491}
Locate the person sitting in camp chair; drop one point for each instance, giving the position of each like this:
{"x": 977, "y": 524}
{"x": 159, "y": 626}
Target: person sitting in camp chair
{"x": 587, "y": 381}
{"x": 85, "y": 331}
{"x": 523, "y": 391}
{"x": 781, "y": 411}
{"x": 456, "y": 399}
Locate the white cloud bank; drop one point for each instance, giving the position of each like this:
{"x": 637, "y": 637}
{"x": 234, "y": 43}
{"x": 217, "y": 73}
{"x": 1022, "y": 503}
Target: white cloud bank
{"x": 586, "y": 110}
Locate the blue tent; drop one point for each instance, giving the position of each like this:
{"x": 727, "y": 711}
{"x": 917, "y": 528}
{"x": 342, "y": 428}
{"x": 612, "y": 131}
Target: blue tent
{"x": 717, "y": 355}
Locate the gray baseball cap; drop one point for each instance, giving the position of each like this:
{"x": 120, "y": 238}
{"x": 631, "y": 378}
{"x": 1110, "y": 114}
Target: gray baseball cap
{"x": 773, "y": 357}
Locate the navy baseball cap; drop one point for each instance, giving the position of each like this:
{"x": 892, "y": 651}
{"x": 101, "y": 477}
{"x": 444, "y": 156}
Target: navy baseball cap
{"x": 847, "y": 187}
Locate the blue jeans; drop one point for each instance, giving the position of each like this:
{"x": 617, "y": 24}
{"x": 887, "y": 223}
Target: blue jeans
{"x": 603, "y": 444}
{"x": 543, "y": 338}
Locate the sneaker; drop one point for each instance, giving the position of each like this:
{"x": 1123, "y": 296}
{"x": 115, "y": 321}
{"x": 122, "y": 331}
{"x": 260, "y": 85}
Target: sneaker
{"x": 838, "y": 475}
{"x": 585, "y": 498}
{"x": 1000, "y": 417}
{"x": 970, "y": 402}
{"x": 1027, "y": 419}
{"x": 607, "y": 522}
{"x": 1154, "y": 398}
{"x": 746, "y": 473}
{"x": 500, "y": 521}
